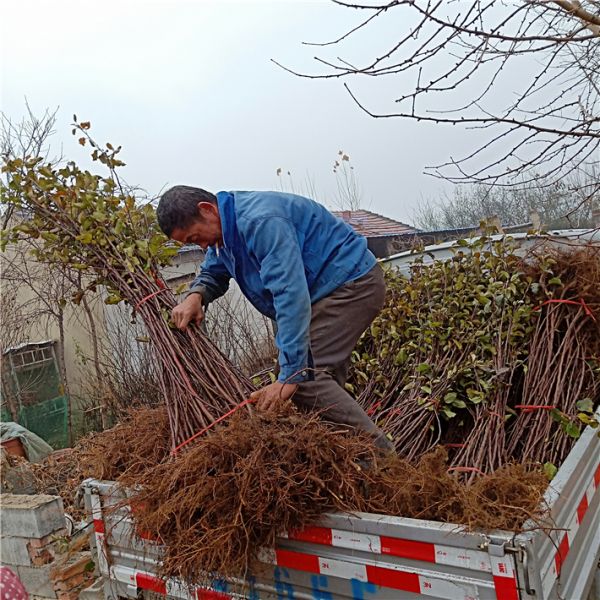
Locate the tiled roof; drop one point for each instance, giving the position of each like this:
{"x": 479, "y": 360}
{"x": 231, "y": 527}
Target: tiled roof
{"x": 371, "y": 224}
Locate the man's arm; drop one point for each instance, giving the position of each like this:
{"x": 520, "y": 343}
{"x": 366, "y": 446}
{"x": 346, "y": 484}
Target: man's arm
{"x": 211, "y": 283}
{"x": 275, "y": 244}
{"x": 213, "y": 280}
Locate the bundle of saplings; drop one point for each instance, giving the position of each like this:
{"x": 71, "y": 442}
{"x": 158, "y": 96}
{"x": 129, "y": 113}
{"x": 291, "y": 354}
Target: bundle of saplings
{"x": 492, "y": 353}
{"x": 94, "y": 230}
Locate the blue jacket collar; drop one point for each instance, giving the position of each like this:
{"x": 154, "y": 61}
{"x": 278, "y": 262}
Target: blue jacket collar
{"x": 226, "y": 205}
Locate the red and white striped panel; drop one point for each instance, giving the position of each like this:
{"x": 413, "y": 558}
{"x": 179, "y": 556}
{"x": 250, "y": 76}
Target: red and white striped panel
{"x": 552, "y": 570}
{"x": 503, "y": 574}
{"x": 417, "y": 581}
{"x": 141, "y": 580}
{"x": 379, "y": 544}
{"x": 413, "y": 580}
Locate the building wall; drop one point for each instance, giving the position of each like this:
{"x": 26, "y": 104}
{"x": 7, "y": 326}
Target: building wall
{"x": 34, "y": 305}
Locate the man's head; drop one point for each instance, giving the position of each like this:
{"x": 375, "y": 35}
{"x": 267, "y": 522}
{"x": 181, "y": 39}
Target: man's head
{"x": 190, "y": 215}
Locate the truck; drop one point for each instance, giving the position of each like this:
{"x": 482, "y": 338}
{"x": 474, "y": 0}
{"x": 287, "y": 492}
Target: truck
{"x": 363, "y": 556}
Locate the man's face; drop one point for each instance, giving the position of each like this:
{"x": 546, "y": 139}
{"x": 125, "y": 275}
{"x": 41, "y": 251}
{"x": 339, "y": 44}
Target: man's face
{"x": 204, "y": 231}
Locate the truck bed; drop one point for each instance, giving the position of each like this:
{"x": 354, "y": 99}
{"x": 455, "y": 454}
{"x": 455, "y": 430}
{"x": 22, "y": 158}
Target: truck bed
{"x": 363, "y": 555}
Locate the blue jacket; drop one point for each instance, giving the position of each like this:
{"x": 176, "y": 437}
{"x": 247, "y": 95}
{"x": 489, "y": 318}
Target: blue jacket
{"x": 286, "y": 253}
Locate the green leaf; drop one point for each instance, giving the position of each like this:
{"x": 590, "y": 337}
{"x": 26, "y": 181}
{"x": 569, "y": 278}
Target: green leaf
{"x": 401, "y": 357}
{"x": 550, "y": 470}
{"x": 475, "y": 396}
{"x": 585, "y": 405}
{"x": 572, "y": 430}
{"x": 587, "y": 420}
{"x": 555, "y": 281}
{"x": 423, "y": 368}
{"x": 86, "y": 237}
{"x": 557, "y": 416}
{"x": 448, "y": 412}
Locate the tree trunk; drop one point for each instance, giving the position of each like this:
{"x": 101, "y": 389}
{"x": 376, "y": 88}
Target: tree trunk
{"x": 63, "y": 372}
{"x": 96, "y": 358}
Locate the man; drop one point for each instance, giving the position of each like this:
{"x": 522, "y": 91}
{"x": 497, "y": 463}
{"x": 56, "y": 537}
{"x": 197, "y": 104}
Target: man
{"x": 297, "y": 264}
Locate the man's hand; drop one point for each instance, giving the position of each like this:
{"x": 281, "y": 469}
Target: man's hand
{"x": 187, "y": 311}
{"x": 271, "y": 396}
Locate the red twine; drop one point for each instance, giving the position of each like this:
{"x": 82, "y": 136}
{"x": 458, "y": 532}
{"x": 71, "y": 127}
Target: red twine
{"x": 531, "y": 407}
{"x": 581, "y": 302}
{"x": 160, "y": 283}
{"x": 196, "y": 435}
{"x": 373, "y": 408}
{"x": 148, "y": 297}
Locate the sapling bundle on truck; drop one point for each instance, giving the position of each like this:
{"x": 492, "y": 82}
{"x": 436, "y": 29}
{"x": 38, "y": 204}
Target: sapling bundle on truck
{"x": 252, "y": 494}
{"x": 244, "y": 511}
{"x": 91, "y": 224}
{"x": 491, "y": 353}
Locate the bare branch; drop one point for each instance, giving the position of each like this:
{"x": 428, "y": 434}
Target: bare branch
{"x": 527, "y": 72}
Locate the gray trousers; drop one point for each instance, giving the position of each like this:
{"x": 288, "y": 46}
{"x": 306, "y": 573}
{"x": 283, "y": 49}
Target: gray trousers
{"x": 336, "y": 324}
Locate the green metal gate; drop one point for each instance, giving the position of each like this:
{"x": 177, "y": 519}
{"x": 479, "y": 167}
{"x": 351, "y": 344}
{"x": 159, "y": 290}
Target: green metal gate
{"x": 33, "y": 393}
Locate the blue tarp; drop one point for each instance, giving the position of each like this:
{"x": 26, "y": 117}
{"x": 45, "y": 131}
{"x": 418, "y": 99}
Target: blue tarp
{"x": 35, "y": 447}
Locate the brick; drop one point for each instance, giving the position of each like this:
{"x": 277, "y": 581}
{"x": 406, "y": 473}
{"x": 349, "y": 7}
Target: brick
{"x": 29, "y": 552}
{"x": 42, "y": 556}
{"x": 70, "y": 584}
{"x": 48, "y": 539}
{"x": 67, "y": 595}
{"x": 31, "y": 516}
{"x": 37, "y": 580}
{"x": 74, "y": 566}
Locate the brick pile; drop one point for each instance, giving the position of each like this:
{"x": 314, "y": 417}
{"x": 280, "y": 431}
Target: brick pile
{"x": 34, "y": 543}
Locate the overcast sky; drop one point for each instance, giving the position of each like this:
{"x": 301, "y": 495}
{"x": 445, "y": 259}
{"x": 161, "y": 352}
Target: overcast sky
{"x": 188, "y": 89}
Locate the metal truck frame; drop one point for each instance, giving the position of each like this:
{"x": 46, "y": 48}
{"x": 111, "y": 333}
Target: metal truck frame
{"x": 365, "y": 556}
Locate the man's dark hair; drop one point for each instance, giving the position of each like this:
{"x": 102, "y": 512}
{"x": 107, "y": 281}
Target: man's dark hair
{"x": 178, "y": 207}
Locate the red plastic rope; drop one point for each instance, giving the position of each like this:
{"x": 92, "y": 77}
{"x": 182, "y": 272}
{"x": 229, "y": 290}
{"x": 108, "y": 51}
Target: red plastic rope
{"x": 581, "y": 302}
{"x": 199, "y": 433}
{"x": 160, "y": 283}
{"x": 532, "y": 407}
{"x": 148, "y": 297}
{"x": 371, "y": 410}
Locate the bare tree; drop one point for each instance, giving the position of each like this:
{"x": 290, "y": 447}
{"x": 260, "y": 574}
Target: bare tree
{"x": 38, "y": 293}
{"x": 526, "y": 73}
{"x": 563, "y": 205}
{"x": 25, "y": 138}
{"x": 47, "y": 291}
{"x": 123, "y": 358}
